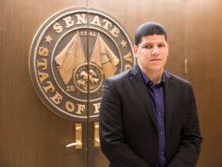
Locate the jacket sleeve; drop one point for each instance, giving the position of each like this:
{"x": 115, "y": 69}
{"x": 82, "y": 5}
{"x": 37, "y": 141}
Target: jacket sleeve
{"x": 112, "y": 139}
{"x": 188, "y": 153}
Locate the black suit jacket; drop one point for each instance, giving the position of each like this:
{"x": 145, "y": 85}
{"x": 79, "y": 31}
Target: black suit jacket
{"x": 128, "y": 130}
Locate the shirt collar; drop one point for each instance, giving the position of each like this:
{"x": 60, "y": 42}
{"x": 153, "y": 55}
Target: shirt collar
{"x": 146, "y": 79}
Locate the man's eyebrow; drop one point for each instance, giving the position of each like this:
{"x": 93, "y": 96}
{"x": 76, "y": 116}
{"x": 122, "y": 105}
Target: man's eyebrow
{"x": 148, "y": 42}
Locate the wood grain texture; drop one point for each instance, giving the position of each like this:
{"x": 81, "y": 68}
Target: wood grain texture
{"x": 33, "y": 136}
{"x": 203, "y": 42}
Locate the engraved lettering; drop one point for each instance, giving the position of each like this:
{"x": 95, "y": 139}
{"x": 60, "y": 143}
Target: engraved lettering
{"x": 107, "y": 24}
{"x": 70, "y": 88}
{"x": 83, "y": 33}
{"x": 92, "y": 34}
{"x": 57, "y": 27}
{"x": 115, "y": 31}
{"x": 80, "y": 109}
{"x": 69, "y": 21}
{"x": 42, "y": 51}
{"x": 128, "y": 57}
{"x": 81, "y": 19}
{"x": 96, "y": 107}
{"x": 70, "y": 107}
{"x": 96, "y": 21}
{"x": 49, "y": 87}
{"x": 42, "y": 63}
{"x": 57, "y": 98}
{"x": 42, "y": 76}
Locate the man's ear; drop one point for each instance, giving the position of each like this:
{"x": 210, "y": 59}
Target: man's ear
{"x": 135, "y": 48}
{"x": 168, "y": 46}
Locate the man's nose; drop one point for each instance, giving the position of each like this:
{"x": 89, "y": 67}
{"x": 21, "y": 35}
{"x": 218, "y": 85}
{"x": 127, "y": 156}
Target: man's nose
{"x": 155, "y": 51}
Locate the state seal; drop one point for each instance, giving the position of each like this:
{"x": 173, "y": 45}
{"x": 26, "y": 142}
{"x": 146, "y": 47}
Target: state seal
{"x": 72, "y": 53}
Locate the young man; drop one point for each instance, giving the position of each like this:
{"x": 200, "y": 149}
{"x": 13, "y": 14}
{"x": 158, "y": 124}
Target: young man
{"x": 148, "y": 116}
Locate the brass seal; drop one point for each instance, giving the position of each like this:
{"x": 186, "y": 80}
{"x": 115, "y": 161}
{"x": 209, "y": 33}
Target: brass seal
{"x": 71, "y": 55}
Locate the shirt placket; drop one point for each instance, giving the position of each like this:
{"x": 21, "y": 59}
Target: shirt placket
{"x": 159, "y": 108}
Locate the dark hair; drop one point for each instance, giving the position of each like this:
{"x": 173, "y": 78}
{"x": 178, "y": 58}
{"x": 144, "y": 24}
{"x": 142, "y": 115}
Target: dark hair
{"x": 149, "y": 28}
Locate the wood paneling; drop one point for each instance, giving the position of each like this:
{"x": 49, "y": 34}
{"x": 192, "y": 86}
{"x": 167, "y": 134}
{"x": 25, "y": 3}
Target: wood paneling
{"x": 33, "y": 136}
{"x": 170, "y": 13}
{"x": 204, "y": 52}
{"x": 195, "y": 34}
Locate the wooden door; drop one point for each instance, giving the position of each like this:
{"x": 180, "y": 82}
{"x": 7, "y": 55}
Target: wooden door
{"x": 32, "y": 135}
{"x": 204, "y": 54}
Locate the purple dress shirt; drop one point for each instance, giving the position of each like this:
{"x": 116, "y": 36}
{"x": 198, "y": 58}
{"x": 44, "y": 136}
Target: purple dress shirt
{"x": 157, "y": 96}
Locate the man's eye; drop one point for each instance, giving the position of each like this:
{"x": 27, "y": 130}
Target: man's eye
{"x": 148, "y": 46}
{"x": 161, "y": 45}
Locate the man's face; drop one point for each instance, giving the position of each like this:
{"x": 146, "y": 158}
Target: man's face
{"x": 152, "y": 53}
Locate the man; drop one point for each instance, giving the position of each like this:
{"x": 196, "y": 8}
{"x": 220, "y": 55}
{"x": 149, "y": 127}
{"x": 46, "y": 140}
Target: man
{"x": 148, "y": 116}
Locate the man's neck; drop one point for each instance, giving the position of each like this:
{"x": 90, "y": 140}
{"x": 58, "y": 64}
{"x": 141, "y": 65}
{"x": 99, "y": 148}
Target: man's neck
{"x": 154, "y": 76}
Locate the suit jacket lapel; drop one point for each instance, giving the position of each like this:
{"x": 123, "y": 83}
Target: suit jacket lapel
{"x": 142, "y": 92}
{"x": 143, "y": 95}
{"x": 169, "y": 102}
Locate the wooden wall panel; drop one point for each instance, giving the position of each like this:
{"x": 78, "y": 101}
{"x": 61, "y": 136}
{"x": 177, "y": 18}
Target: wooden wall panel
{"x": 31, "y": 135}
{"x": 195, "y": 34}
{"x": 204, "y": 52}
{"x": 170, "y": 13}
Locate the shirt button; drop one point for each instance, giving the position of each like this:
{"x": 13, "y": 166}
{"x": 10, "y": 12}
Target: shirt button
{"x": 161, "y": 133}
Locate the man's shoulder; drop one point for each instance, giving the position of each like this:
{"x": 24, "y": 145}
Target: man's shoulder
{"x": 117, "y": 81}
{"x": 119, "y": 77}
{"x": 177, "y": 79}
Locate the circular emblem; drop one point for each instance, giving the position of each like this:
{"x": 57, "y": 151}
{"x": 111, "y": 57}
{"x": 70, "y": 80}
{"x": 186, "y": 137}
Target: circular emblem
{"x": 72, "y": 54}
{"x": 88, "y": 78}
